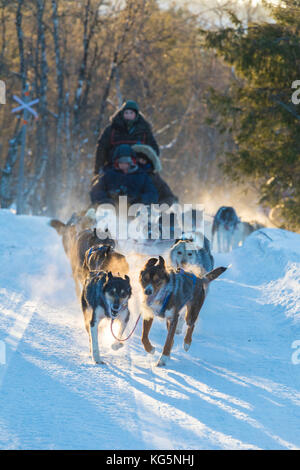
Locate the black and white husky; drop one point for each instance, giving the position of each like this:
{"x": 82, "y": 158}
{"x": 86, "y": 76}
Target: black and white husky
{"x": 104, "y": 296}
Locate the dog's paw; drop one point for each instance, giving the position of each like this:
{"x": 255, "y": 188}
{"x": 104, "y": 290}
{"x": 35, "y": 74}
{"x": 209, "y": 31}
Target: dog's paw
{"x": 148, "y": 347}
{"x": 163, "y": 360}
{"x": 186, "y": 346}
{"x": 152, "y": 351}
{"x": 117, "y": 345}
{"x": 97, "y": 359}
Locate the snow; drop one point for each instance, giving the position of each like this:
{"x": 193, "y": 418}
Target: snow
{"x": 236, "y": 388}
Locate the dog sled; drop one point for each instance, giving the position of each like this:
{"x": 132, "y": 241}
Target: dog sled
{"x": 147, "y": 229}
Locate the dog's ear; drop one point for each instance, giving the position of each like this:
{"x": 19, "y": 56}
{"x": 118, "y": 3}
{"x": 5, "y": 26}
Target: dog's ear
{"x": 212, "y": 275}
{"x": 103, "y": 277}
{"x": 58, "y": 226}
{"x": 162, "y": 263}
{"x": 110, "y": 276}
{"x": 127, "y": 278}
{"x": 151, "y": 262}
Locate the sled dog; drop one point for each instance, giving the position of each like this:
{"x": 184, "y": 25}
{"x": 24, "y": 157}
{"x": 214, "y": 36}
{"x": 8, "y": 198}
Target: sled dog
{"x": 223, "y": 229}
{"x": 104, "y": 296}
{"x": 104, "y": 258}
{"x": 187, "y": 254}
{"x": 75, "y": 244}
{"x": 166, "y": 293}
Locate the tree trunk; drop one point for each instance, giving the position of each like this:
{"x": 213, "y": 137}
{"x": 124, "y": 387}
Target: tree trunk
{"x": 6, "y": 195}
{"x": 58, "y": 150}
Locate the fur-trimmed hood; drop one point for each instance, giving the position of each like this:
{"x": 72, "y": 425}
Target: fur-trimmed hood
{"x": 150, "y": 154}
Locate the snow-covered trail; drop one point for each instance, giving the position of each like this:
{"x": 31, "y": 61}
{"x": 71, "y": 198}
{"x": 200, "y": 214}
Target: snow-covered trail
{"x": 237, "y": 387}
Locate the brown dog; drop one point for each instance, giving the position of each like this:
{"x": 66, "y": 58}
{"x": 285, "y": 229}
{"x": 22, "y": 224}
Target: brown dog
{"x": 104, "y": 258}
{"x": 77, "y": 242}
{"x": 166, "y": 293}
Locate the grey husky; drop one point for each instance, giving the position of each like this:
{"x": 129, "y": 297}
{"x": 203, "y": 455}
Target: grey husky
{"x": 187, "y": 254}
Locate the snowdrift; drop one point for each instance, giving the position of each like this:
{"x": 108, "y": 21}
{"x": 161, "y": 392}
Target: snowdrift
{"x": 238, "y": 387}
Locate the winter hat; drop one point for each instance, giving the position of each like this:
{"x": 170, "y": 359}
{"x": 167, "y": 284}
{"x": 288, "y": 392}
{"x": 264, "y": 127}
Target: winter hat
{"x": 124, "y": 154}
{"x": 124, "y": 160}
{"x": 130, "y": 104}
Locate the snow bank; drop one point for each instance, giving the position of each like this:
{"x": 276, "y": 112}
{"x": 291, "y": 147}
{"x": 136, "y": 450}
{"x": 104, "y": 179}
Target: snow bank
{"x": 270, "y": 259}
{"x": 237, "y": 387}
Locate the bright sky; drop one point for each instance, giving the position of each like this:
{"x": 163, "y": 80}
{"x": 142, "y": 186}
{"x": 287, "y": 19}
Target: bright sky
{"x": 197, "y": 5}
{"x": 211, "y": 12}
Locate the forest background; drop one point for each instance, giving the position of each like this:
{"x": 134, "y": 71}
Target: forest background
{"x": 214, "y": 79}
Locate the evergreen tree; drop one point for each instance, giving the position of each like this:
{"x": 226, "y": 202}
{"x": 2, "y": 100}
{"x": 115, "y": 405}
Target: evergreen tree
{"x": 260, "y": 107}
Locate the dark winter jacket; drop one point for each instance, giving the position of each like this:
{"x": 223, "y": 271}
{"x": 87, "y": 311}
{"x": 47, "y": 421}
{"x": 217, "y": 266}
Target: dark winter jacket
{"x": 153, "y": 168}
{"x": 165, "y": 194}
{"x": 137, "y": 186}
{"x": 118, "y": 133}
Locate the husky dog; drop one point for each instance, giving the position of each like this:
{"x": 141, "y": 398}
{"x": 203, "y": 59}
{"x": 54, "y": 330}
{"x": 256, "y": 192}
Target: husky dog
{"x": 188, "y": 254}
{"x": 167, "y": 292}
{"x": 224, "y": 226}
{"x": 104, "y": 258}
{"x": 76, "y": 242}
{"x": 104, "y": 296}
{"x": 74, "y": 226}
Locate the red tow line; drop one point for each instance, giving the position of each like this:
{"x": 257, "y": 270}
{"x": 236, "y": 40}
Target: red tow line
{"x": 125, "y": 339}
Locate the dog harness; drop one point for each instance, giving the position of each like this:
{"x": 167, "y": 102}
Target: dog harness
{"x": 173, "y": 291}
{"x": 164, "y": 305}
{"x": 93, "y": 249}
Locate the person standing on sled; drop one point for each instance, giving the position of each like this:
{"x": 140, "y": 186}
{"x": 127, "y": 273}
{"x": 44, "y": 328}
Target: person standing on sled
{"x": 128, "y": 126}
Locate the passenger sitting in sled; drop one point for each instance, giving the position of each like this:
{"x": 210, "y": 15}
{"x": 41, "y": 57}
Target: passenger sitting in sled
{"x": 149, "y": 161}
{"x": 125, "y": 178}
